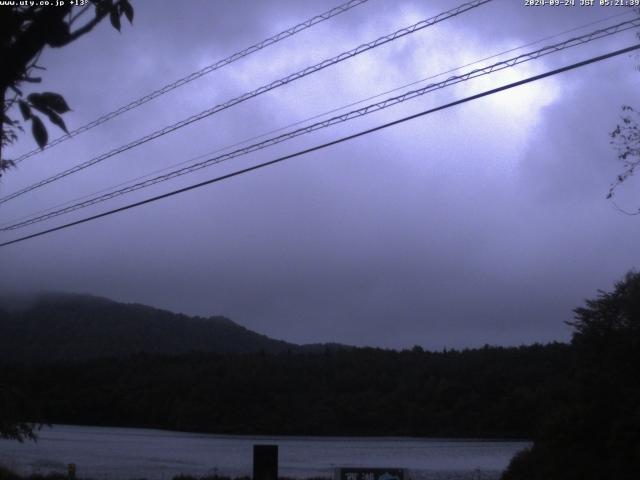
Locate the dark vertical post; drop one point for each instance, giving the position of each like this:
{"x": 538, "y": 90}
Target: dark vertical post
{"x": 265, "y": 462}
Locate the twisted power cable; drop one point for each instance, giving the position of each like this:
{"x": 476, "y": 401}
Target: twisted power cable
{"x": 374, "y": 107}
{"x": 265, "y": 88}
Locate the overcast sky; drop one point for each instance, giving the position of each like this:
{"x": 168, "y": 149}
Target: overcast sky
{"x": 484, "y": 223}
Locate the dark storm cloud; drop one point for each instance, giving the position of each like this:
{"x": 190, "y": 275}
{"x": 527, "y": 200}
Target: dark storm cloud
{"x": 481, "y": 224}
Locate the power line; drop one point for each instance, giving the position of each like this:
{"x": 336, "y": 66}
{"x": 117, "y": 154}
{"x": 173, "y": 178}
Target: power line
{"x": 328, "y": 144}
{"x": 314, "y": 117}
{"x": 195, "y": 75}
{"x": 570, "y": 43}
{"x": 319, "y": 115}
{"x": 265, "y": 88}
{"x": 475, "y": 62}
{"x": 338, "y": 119}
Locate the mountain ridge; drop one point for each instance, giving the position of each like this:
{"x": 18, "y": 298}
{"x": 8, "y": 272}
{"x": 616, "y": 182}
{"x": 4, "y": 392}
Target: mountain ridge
{"x": 66, "y": 326}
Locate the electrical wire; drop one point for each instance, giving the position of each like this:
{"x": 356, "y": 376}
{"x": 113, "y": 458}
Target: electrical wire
{"x": 195, "y": 75}
{"x": 265, "y": 88}
{"x": 570, "y": 43}
{"x": 319, "y": 115}
{"x": 328, "y": 144}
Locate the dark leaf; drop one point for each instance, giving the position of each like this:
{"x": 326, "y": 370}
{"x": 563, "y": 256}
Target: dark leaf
{"x": 115, "y": 18}
{"x": 103, "y": 6}
{"x": 41, "y": 108}
{"x": 33, "y": 79}
{"x": 56, "y": 102}
{"x": 25, "y": 109}
{"x": 37, "y": 101}
{"x": 49, "y": 101}
{"x": 58, "y": 33}
{"x": 56, "y": 120}
{"x": 127, "y": 9}
{"x": 39, "y": 132}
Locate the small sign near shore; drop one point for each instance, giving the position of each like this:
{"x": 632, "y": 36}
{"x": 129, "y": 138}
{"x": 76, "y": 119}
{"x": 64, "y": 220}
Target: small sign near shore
{"x": 365, "y": 473}
{"x": 265, "y": 462}
{"x": 71, "y": 471}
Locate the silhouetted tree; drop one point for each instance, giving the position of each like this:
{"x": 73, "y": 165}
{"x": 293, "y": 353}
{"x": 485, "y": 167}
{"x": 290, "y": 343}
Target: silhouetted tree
{"x": 597, "y": 434}
{"x": 626, "y": 140}
{"x": 16, "y": 408}
{"x": 24, "y": 32}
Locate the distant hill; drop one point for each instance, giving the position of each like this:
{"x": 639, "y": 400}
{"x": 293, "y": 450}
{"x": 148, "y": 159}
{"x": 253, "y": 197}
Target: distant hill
{"x": 55, "y": 327}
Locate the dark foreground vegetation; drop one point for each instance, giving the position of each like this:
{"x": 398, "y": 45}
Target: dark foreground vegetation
{"x": 594, "y": 434}
{"x": 580, "y": 403}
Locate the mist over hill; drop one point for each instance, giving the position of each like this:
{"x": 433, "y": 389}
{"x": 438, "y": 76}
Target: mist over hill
{"x": 60, "y": 327}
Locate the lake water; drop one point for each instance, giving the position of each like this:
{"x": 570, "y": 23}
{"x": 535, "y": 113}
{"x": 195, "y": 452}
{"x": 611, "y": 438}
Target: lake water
{"x": 126, "y": 453}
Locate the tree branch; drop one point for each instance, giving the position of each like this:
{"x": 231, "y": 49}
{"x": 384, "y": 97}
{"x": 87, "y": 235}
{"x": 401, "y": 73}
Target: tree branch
{"x": 82, "y": 11}
{"x": 622, "y": 210}
{"x": 86, "y": 28}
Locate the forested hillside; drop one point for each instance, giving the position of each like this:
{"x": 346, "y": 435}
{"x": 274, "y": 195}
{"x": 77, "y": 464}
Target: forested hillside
{"x": 488, "y": 392}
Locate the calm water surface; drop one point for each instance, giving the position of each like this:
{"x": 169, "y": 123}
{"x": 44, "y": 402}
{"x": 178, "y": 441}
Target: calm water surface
{"x": 125, "y": 453}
